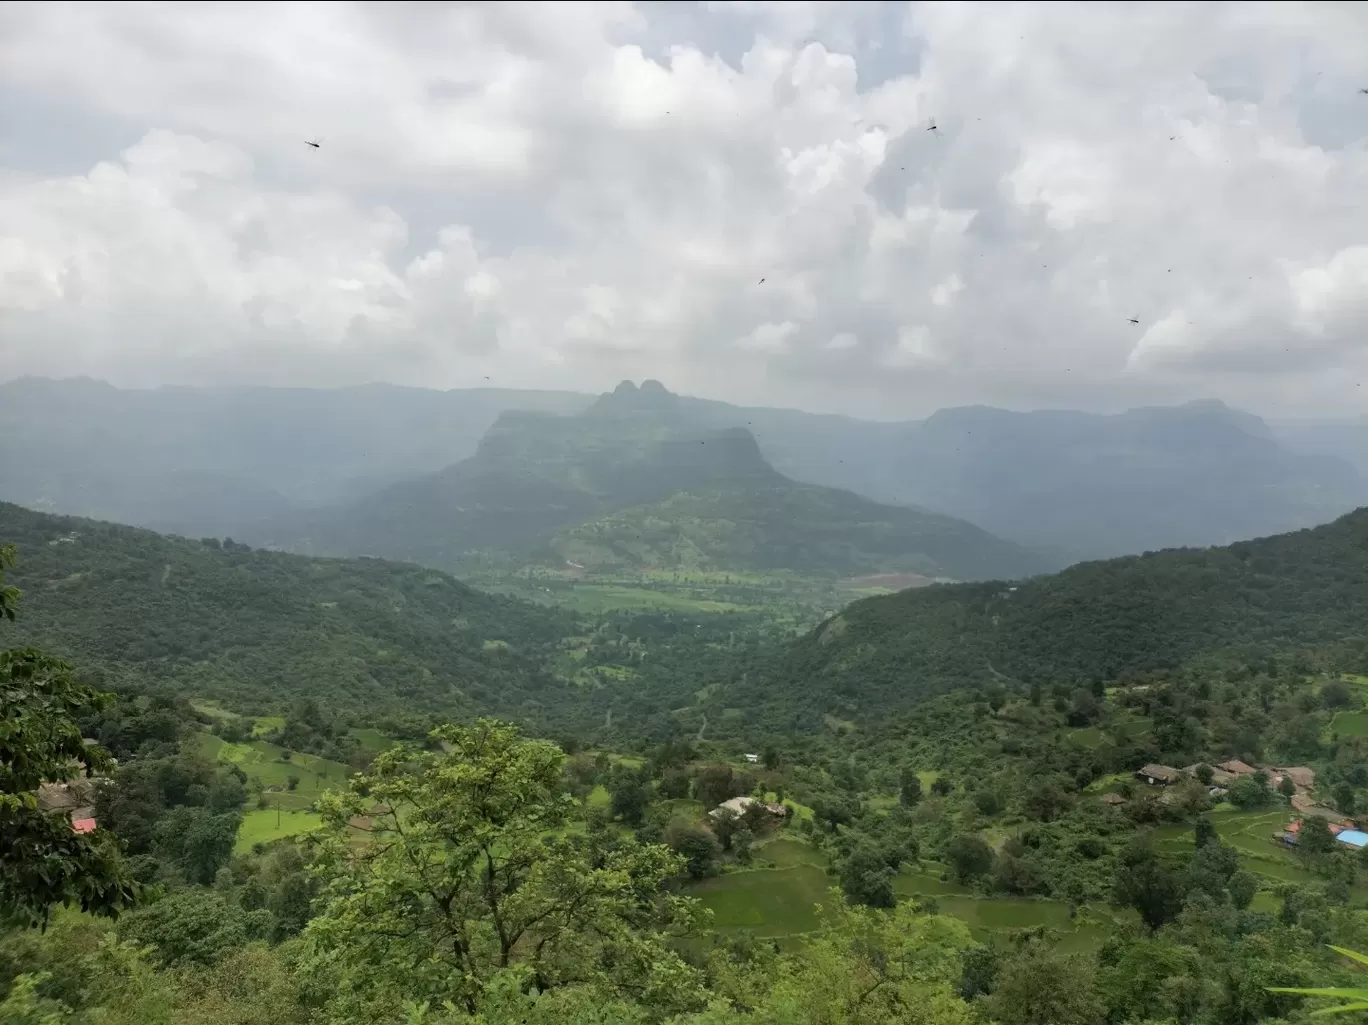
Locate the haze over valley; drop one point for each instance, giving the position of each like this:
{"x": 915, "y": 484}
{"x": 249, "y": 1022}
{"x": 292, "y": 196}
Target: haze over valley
{"x": 247, "y": 462}
{"x": 683, "y": 514}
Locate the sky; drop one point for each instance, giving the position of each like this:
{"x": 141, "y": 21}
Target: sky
{"x": 871, "y": 208}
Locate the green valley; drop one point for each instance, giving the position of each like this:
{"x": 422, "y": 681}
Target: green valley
{"x": 756, "y": 786}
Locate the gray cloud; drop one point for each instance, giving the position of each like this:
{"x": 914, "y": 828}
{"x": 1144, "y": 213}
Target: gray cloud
{"x": 564, "y": 195}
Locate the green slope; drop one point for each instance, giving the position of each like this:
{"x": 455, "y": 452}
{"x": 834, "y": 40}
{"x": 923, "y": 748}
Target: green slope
{"x": 1304, "y": 592}
{"x": 784, "y": 525}
{"x": 256, "y": 629}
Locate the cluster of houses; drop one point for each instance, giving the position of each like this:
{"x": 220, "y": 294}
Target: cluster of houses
{"x": 1303, "y": 781}
{"x": 74, "y": 799}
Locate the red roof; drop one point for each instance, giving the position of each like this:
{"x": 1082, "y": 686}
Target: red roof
{"x": 83, "y": 825}
{"x": 1335, "y": 827}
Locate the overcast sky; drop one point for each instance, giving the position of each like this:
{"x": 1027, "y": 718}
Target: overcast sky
{"x": 744, "y": 200}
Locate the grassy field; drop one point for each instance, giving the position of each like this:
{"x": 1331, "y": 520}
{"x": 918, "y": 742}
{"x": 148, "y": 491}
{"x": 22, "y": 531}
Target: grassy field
{"x": 287, "y": 811}
{"x": 599, "y": 797}
{"x": 1350, "y": 724}
{"x": 372, "y": 740}
{"x": 783, "y": 597}
{"x": 784, "y": 853}
{"x": 264, "y": 724}
{"x": 1251, "y": 834}
{"x": 1089, "y": 737}
{"x": 266, "y": 763}
{"x": 779, "y": 898}
{"x": 265, "y": 825}
{"x": 213, "y": 711}
{"x": 766, "y": 902}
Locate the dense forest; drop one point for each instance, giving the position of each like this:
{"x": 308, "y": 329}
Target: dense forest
{"x": 1297, "y": 593}
{"x": 256, "y": 631}
{"x": 478, "y": 876}
{"x": 256, "y": 628}
{"x": 242, "y": 786}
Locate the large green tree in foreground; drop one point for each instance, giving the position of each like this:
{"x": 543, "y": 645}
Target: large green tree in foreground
{"x": 451, "y": 875}
{"x": 42, "y": 861}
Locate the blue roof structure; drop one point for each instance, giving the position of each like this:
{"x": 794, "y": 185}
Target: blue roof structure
{"x": 1353, "y": 838}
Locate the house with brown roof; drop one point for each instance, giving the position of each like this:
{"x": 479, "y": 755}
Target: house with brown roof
{"x": 1158, "y": 775}
{"x": 1302, "y": 778}
{"x": 74, "y": 798}
{"x": 1113, "y": 799}
{"x": 1219, "y": 777}
{"x": 1237, "y": 768}
{"x": 1305, "y": 804}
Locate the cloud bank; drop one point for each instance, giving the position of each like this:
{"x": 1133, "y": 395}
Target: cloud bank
{"x": 871, "y": 208}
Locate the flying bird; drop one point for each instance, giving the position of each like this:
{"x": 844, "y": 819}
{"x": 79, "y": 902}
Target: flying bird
{"x": 1364, "y": 91}
{"x": 315, "y": 143}
{"x": 1133, "y": 320}
{"x": 933, "y": 127}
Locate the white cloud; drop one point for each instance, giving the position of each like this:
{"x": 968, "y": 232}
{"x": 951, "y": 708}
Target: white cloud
{"x": 564, "y": 195}
{"x": 915, "y": 347}
{"x": 769, "y": 338}
{"x": 944, "y": 292}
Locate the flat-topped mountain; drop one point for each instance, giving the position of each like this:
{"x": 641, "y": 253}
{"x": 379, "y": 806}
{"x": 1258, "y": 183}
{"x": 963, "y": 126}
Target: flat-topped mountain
{"x": 631, "y": 481}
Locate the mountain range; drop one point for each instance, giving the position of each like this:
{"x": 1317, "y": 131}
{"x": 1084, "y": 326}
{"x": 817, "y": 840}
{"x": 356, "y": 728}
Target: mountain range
{"x": 633, "y": 482}
{"x": 221, "y": 461}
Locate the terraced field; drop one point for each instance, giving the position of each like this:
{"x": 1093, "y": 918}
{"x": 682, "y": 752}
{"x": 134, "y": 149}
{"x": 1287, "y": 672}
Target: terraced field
{"x": 1251, "y": 833}
{"x": 778, "y": 900}
{"x": 266, "y": 764}
{"x": 1350, "y": 724}
{"x": 262, "y": 825}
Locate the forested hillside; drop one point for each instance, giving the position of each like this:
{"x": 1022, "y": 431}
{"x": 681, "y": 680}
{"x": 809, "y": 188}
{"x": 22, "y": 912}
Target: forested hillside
{"x": 789, "y": 526}
{"x": 256, "y": 629}
{"x": 1305, "y": 592}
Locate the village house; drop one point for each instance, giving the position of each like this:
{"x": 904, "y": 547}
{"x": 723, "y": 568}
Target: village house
{"x": 1302, "y": 777}
{"x": 752, "y": 758}
{"x": 1158, "y": 775}
{"x": 1338, "y": 829}
{"x": 1353, "y": 838}
{"x": 738, "y": 806}
{"x": 1219, "y": 777}
{"x": 1236, "y": 768}
{"x": 1302, "y": 803}
{"x": 73, "y": 799}
{"x": 1113, "y": 799}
